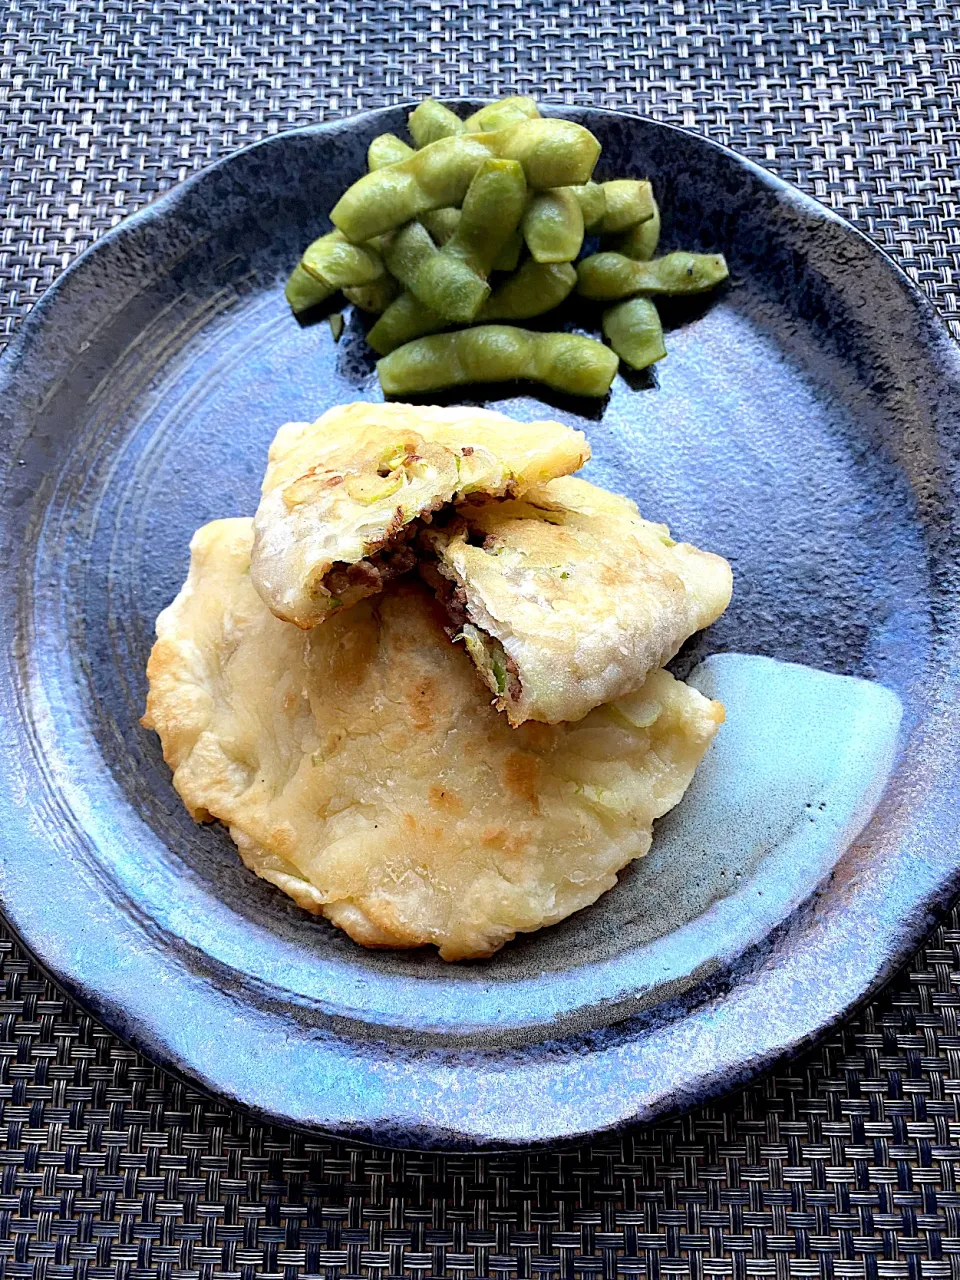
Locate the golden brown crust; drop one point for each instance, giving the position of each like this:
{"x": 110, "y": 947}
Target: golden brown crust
{"x": 359, "y": 771}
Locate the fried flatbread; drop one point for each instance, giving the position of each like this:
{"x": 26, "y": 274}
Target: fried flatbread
{"x": 567, "y": 598}
{"x": 358, "y": 770}
{"x": 341, "y": 495}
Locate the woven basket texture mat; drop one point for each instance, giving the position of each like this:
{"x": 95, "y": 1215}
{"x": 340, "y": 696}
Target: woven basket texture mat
{"x": 844, "y": 1164}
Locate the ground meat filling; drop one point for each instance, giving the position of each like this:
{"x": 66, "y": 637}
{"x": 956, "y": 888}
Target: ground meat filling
{"x": 494, "y": 660}
{"x": 514, "y": 689}
{"x": 350, "y": 582}
{"x": 367, "y": 577}
{"x": 452, "y": 597}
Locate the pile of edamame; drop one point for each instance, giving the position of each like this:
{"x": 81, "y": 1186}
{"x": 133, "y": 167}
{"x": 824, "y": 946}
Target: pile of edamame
{"x": 483, "y": 222}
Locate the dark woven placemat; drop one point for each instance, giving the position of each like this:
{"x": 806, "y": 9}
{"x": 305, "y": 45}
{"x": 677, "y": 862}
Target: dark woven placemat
{"x": 844, "y": 1165}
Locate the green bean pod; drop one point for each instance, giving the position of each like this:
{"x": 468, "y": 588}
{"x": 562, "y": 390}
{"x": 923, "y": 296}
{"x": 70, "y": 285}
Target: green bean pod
{"x": 405, "y": 319}
{"x": 608, "y": 276}
{"x": 628, "y": 202}
{"x": 592, "y": 201}
{"x": 387, "y": 149}
{"x": 374, "y": 297}
{"x": 431, "y": 121}
{"x": 498, "y": 115}
{"x": 553, "y": 226}
{"x": 509, "y": 255}
{"x": 499, "y": 353}
{"x": 536, "y": 288}
{"x": 304, "y": 291}
{"x": 553, "y": 153}
{"x": 640, "y": 242}
{"x": 337, "y": 262}
{"x": 453, "y": 282}
{"x": 441, "y": 223}
{"x": 634, "y": 331}
{"x": 406, "y": 251}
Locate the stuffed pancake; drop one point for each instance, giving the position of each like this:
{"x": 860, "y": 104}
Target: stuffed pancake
{"x": 342, "y": 496}
{"x": 358, "y": 770}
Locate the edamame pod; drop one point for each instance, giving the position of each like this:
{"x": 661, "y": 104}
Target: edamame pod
{"x": 534, "y": 289}
{"x": 406, "y": 251}
{"x": 592, "y": 201}
{"x": 553, "y": 153}
{"x": 375, "y": 296}
{"x": 509, "y": 255}
{"x": 634, "y": 331}
{"x": 627, "y": 202}
{"x": 553, "y": 226}
{"x": 453, "y": 282}
{"x": 537, "y": 287}
{"x": 441, "y": 223}
{"x": 431, "y": 121}
{"x": 500, "y": 114}
{"x": 499, "y": 353}
{"x": 387, "y": 149}
{"x": 405, "y": 319}
{"x": 336, "y": 262}
{"x": 304, "y": 291}
{"x": 608, "y": 276}
{"x": 640, "y": 242}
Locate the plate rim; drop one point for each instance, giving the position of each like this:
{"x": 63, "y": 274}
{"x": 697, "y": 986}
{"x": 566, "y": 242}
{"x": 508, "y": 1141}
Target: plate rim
{"x": 134, "y": 1035}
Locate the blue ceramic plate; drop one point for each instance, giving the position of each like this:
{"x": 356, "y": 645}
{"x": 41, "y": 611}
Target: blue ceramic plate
{"x": 805, "y": 424}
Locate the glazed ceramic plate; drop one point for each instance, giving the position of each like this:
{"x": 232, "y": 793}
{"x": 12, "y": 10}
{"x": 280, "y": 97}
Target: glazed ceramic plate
{"x": 805, "y": 424}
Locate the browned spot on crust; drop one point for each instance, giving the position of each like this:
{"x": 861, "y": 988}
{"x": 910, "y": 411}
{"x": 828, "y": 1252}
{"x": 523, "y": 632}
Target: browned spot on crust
{"x": 538, "y": 737}
{"x": 422, "y": 699}
{"x": 409, "y": 823}
{"x": 283, "y": 839}
{"x": 498, "y": 837}
{"x": 445, "y": 800}
{"x": 290, "y": 701}
{"x": 305, "y": 486}
{"x": 521, "y": 777}
{"x": 348, "y": 662}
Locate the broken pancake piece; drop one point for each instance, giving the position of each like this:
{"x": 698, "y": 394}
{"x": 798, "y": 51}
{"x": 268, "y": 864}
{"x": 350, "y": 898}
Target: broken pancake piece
{"x": 341, "y": 495}
{"x": 357, "y": 769}
{"x": 568, "y": 598}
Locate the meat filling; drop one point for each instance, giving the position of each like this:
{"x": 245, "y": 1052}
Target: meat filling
{"x": 498, "y": 669}
{"x": 367, "y": 577}
{"x": 348, "y": 583}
